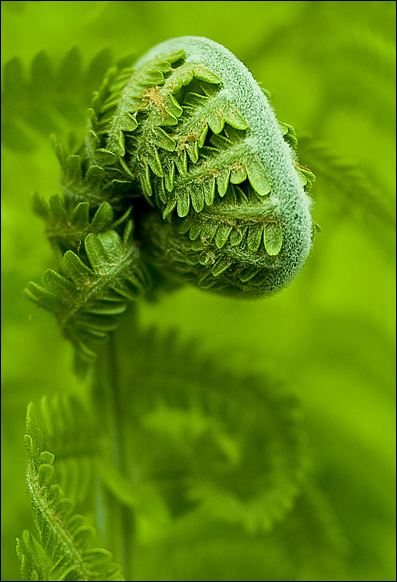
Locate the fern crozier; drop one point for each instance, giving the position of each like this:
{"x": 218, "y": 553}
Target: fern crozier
{"x": 232, "y": 258}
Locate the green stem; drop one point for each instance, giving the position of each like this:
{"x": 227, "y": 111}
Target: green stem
{"x": 115, "y": 519}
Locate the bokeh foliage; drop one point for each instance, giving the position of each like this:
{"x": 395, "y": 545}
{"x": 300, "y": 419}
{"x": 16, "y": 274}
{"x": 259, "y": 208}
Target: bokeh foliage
{"x": 330, "y": 68}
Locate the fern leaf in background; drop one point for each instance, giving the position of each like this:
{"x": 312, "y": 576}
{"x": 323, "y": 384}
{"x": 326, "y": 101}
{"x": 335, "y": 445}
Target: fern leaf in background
{"x": 349, "y": 187}
{"x": 238, "y": 438}
{"x": 195, "y": 455}
{"x": 49, "y": 99}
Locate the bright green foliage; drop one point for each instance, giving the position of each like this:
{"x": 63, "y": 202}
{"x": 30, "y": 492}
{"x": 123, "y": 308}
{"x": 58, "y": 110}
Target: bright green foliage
{"x": 189, "y": 467}
{"x": 62, "y": 425}
{"x": 83, "y": 180}
{"x": 234, "y": 217}
{"x": 174, "y": 126}
{"x": 63, "y": 551}
{"x": 67, "y": 227}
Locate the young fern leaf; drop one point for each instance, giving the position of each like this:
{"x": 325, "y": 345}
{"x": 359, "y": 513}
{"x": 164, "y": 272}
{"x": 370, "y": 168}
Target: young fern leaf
{"x": 68, "y": 223}
{"x": 189, "y": 128}
{"x": 83, "y": 181}
{"x": 89, "y": 299}
{"x": 63, "y": 550}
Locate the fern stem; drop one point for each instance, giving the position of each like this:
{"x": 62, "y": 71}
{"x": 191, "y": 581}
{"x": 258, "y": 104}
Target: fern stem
{"x": 117, "y": 519}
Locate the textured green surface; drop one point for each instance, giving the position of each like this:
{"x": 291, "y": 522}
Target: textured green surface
{"x": 330, "y": 69}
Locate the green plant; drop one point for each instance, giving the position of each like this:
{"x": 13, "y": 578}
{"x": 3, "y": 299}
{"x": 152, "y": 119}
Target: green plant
{"x": 234, "y": 217}
{"x": 231, "y": 471}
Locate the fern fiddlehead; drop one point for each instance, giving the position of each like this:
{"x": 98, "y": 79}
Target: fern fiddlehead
{"x": 186, "y": 145}
{"x": 192, "y": 130}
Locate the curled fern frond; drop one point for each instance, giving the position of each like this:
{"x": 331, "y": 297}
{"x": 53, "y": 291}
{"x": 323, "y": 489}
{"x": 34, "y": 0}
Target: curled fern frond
{"x": 63, "y": 551}
{"x": 89, "y": 299}
{"x": 233, "y": 247}
{"x": 185, "y": 142}
{"x": 229, "y": 444}
{"x": 190, "y": 129}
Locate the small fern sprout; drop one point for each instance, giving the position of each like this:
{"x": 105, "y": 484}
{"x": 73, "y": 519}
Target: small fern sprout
{"x": 190, "y": 130}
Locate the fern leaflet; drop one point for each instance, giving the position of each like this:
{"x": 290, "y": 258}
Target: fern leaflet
{"x": 63, "y": 550}
{"x": 88, "y": 300}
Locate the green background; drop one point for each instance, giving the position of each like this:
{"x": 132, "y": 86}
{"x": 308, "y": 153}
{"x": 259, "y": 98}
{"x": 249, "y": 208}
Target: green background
{"x": 329, "y": 67}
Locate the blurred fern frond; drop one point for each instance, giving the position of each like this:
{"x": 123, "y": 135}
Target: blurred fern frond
{"x": 52, "y": 99}
{"x": 188, "y": 439}
{"x": 307, "y": 545}
{"x": 228, "y": 443}
{"x": 348, "y": 186}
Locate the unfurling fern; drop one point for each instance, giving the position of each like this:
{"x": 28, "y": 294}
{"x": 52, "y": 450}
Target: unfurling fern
{"x": 87, "y": 301}
{"x": 242, "y": 224}
{"x": 188, "y": 128}
{"x": 184, "y": 175}
{"x": 186, "y": 144}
